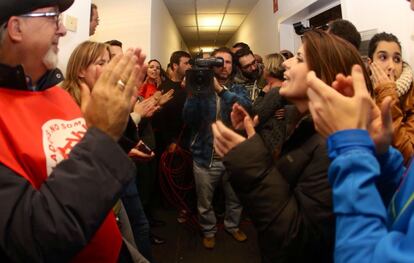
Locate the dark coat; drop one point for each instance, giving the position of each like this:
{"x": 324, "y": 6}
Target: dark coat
{"x": 289, "y": 201}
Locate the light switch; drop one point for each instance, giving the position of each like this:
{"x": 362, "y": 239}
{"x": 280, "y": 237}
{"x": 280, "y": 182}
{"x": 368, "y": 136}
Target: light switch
{"x": 71, "y": 23}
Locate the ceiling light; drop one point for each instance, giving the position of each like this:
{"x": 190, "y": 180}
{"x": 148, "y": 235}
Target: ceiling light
{"x": 208, "y": 49}
{"x": 209, "y": 28}
{"x": 209, "y": 21}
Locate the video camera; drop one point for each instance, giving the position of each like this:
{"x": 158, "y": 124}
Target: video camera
{"x": 200, "y": 79}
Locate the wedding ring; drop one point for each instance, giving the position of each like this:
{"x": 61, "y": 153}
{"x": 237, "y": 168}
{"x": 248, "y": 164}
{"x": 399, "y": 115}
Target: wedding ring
{"x": 121, "y": 85}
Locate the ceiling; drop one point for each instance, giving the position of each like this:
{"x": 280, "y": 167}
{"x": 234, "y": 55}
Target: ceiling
{"x": 206, "y": 24}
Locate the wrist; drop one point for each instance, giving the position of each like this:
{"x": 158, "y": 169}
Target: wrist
{"x": 346, "y": 140}
{"x": 222, "y": 90}
{"x": 136, "y": 117}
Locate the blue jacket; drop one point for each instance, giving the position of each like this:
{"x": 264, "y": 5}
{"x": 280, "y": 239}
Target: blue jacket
{"x": 375, "y": 212}
{"x": 200, "y": 112}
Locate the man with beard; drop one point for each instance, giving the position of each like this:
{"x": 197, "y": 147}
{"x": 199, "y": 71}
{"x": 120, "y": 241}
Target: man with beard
{"x": 199, "y": 112}
{"x": 60, "y": 172}
{"x": 250, "y": 72}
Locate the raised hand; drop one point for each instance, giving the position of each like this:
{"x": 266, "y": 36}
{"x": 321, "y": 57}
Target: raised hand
{"x": 333, "y": 111}
{"x": 238, "y": 115}
{"x": 146, "y": 108}
{"x": 166, "y": 97}
{"x": 226, "y": 139}
{"x": 108, "y": 105}
{"x": 380, "y": 128}
{"x": 379, "y": 76}
{"x": 343, "y": 85}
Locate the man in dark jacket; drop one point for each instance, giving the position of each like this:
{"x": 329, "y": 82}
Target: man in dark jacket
{"x": 60, "y": 173}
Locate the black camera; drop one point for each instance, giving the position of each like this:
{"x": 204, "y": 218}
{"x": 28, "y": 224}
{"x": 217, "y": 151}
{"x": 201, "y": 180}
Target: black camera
{"x": 300, "y": 29}
{"x": 200, "y": 79}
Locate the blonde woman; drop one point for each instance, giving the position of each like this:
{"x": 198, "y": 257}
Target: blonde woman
{"x": 85, "y": 65}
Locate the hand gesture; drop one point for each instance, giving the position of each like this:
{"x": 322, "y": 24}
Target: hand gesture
{"x": 379, "y": 76}
{"x": 146, "y": 108}
{"x": 238, "y": 115}
{"x": 166, "y": 97}
{"x": 226, "y": 139}
{"x": 380, "y": 128}
{"x": 108, "y": 104}
{"x": 332, "y": 111}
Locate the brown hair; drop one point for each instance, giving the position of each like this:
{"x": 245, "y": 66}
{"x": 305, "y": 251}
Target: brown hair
{"x": 329, "y": 55}
{"x": 84, "y": 55}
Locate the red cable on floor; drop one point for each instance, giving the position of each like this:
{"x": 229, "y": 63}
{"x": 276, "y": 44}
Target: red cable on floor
{"x": 177, "y": 181}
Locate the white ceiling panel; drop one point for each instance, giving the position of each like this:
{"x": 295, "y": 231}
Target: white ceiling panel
{"x": 211, "y": 6}
{"x": 208, "y": 36}
{"x": 242, "y": 6}
{"x": 180, "y": 6}
{"x": 229, "y": 29}
{"x": 210, "y": 19}
{"x": 231, "y": 20}
{"x": 184, "y": 20}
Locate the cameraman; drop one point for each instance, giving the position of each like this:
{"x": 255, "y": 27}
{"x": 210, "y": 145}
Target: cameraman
{"x": 199, "y": 112}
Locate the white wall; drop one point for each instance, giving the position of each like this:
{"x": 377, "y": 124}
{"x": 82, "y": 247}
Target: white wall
{"x": 261, "y": 28}
{"x": 125, "y": 20}
{"x": 165, "y": 37}
{"x": 392, "y": 16}
{"x": 81, "y": 10}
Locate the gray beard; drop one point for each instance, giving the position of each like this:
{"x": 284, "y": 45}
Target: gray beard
{"x": 50, "y": 60}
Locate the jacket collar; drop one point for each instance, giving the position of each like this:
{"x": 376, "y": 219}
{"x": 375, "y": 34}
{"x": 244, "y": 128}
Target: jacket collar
{"x": 15, "y": 78}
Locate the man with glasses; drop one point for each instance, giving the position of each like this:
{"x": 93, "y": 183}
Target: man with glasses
{"x": 60, "y": 173}
{"x": 250, "y": 73}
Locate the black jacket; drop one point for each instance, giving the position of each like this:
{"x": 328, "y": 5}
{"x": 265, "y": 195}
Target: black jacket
{"x": 289, "y": 201}
{"x": 54, "y": 223}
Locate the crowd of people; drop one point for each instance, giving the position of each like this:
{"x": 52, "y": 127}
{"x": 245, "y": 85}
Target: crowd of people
{"x": 315, "y": 147}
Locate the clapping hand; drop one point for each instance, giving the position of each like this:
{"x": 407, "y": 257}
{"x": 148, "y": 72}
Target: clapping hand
{"x": 226, "y": 139}
{"x": 348, "y": 105}
{"x": 238, "y": 115}
{"x": 108, "y": 104}
{"x": 146, "y": 108}
{"x": 166, "y": 97}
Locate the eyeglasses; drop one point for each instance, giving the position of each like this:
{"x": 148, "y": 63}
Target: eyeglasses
{"x": 55, "y": 14}
{"x": 253, "y": 63}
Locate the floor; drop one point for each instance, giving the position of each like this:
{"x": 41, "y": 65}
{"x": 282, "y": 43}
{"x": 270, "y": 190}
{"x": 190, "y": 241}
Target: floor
{"x": 184, "y": 244}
